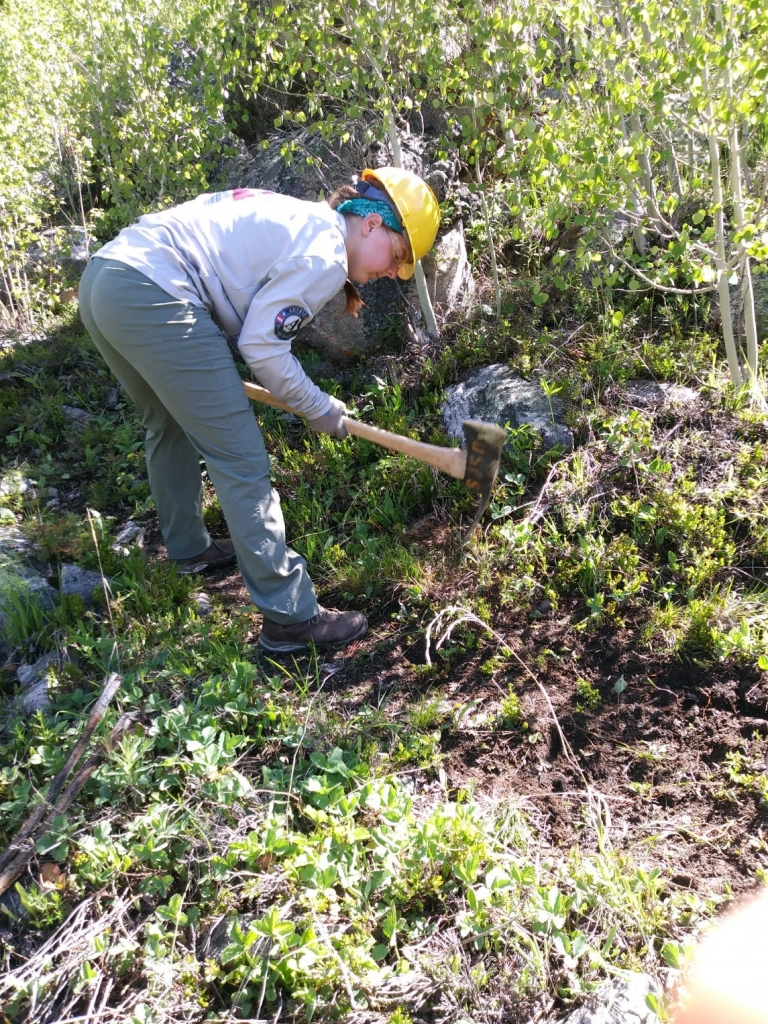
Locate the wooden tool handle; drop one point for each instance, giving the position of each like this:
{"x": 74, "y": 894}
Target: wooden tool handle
{"x": 452, "y": 461}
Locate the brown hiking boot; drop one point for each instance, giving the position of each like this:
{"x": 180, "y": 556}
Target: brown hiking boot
{"x": 218, "y": 554}
{"x": 327, "y": 627}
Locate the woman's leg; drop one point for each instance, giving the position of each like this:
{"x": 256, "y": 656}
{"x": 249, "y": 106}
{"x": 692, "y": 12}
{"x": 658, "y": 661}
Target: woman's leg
{"x": 173, "y": 464}
{"x": 174, "y": 353}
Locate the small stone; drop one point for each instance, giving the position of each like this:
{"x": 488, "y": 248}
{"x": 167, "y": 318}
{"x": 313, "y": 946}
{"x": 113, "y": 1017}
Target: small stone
{"x": 35, "y": 683}
{"x": 77, "y": 415}
{"x": 651, "y": 394}
{"x": 203, "y": 602}
{"x": 110, "y": 402}
{"x": 30, "y": 674}
{"x": 621, "y": 1001}
{"x": 128, "y": 535}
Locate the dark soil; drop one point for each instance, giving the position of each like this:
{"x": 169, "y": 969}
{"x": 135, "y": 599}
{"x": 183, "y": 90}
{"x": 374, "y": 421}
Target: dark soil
{"x": 654, "y": 751}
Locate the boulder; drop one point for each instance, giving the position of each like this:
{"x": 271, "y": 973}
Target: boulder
{"x": 340, "y": 337}
{"x": 449, "y": 276}
{"x": 495, "y": 394}
{"x": 621, "y": 1001}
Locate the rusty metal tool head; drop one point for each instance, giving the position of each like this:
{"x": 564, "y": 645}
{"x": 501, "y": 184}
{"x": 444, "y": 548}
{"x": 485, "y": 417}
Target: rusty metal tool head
{"x": 484, "y": 444}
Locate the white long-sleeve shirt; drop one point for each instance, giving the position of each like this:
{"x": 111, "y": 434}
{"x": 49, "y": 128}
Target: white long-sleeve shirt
{"x": 263, "y": 264}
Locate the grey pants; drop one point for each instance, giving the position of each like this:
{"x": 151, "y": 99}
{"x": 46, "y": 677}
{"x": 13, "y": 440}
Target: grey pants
{"x": 176, "y": 367}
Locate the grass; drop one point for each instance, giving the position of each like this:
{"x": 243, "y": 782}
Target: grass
{"x": 253, "y": 846}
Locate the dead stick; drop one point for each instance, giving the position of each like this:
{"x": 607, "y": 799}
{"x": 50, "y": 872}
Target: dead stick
{"x": 20, "y": 842}
{"x": 12, "y": 871}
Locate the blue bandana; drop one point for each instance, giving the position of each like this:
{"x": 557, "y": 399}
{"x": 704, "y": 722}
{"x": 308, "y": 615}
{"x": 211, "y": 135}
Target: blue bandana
{"x": 362, "y": 207}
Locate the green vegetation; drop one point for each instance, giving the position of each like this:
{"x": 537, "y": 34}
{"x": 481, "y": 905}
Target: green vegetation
{"x": 245, "y": 794}
{"x": 318, "y": 837}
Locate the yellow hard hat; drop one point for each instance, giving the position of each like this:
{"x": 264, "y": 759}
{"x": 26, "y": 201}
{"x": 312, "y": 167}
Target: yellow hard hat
{"x": 417, "y": 206}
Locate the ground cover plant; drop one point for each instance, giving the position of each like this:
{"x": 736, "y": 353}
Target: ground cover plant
{"x": 544, "y": 769}
{"x": 314, "y": 836}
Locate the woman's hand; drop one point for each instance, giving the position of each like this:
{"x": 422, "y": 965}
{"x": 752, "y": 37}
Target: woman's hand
{"x": 333, "y": 421}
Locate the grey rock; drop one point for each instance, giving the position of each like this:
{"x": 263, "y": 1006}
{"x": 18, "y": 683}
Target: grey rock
{"x": 19, "y": 576}
{"x": 36, "y": 698}
{"x": 83, "y": 583}
{"x": 497, "y": 395}
{"x": 13, "y": 542}
{"x": 314, "y": 166}
{"x": 34, "y": 681}
{"x": 341, "y": 337}
{"x": 449, "y": 276}
{"x": 216, "y": 936}
{"x": 621, "y": 1001}
{"x": 28, "y": 675}
{"x": 80, "y": 247}
{"x": 17, "y": 485}
{"x": 77, "y": 415}
{"x": 203, "y": 602}
{"x": 130, "y": 534}
{"x": 110, "y": 402}
{"x": 650, "y": 394}
{"x": 618, "y": 229}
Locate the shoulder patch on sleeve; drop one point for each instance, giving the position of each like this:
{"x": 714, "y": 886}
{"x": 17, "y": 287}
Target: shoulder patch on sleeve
{"x": 290, "y": 320}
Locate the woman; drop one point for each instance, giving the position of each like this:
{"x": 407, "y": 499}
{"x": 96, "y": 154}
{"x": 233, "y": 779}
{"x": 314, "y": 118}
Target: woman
{"x": 158, "y": 301}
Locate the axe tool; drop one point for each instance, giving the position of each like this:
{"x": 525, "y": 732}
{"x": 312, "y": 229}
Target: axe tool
{"x": 477, "y": 466}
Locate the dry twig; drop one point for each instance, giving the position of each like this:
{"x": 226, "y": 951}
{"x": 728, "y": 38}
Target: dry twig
{"x": 14, "y": 859}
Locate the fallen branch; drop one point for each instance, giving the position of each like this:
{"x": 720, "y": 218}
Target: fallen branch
{"x": 14, "y": 859}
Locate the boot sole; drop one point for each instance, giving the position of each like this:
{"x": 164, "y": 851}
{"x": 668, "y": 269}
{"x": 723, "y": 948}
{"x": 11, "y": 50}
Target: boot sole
{"x": 286, "y": 646}
{"x": 200, "y": 567}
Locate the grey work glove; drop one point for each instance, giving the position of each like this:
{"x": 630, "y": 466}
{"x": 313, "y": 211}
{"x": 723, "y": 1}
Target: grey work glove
{"x": 331, "y": 423}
